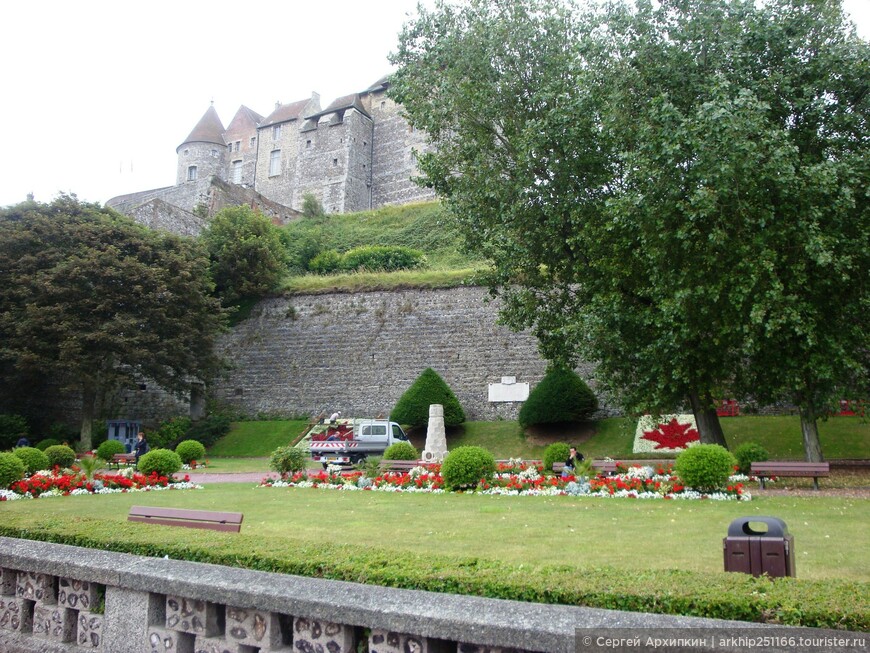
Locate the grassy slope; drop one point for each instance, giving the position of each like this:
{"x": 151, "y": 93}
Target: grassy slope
{"x": 252, "y": 439}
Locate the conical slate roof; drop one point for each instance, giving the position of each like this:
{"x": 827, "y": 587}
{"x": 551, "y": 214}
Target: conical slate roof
{"x": 209, "y": 129}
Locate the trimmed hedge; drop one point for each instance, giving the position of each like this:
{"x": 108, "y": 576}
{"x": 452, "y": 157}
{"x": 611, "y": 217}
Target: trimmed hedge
{"x": 465, "y": 467}
{"x": 829, "y": 603}
{"x": 401, "y": 451}
{"x": 705, "y": 467}
{"x": 162, "y": 461}
{"x": 748, "y": 453}
{"x": 109, "y": 448}
{"x": 60, "y": 456}
{"x": 557, "y": 452}
{"x": 412, "y": 408}
{"x": 382, "y": 258}
{"x": 11, "y": 469}
{"x": 561, "y": 396}
{"x": 34, "y": 460}
{"x": 190, "y": 450}
{"x": 286, "y": 460}
{"x": 42, "y": 445}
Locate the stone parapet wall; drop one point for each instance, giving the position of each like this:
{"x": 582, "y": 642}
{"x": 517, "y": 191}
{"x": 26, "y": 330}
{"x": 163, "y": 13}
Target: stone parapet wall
{"x": 63, "y": 599}
{"x": 358, "y": 353}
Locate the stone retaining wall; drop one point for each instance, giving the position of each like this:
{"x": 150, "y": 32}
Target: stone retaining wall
{"x": 63, "y": 599}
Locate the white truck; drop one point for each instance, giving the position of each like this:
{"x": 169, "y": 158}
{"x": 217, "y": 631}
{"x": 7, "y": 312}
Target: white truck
{"x": 348, "y": 441}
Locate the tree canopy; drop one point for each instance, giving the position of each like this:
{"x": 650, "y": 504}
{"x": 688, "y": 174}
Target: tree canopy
{"x": 676, "y": 190}
{"x": 99, "y": 302}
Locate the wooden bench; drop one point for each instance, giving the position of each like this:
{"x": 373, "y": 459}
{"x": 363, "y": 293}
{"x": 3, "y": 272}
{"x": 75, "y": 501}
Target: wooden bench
{"x": 793, "y": 469}
{"x": 123, "y": 458}
{"x": 211, "y": 520}
{"x": 398, "y": 465}
{"x": 604, "y": 466}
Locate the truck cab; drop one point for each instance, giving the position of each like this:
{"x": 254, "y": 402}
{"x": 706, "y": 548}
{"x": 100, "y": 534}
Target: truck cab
{"x": 351, "y": 441}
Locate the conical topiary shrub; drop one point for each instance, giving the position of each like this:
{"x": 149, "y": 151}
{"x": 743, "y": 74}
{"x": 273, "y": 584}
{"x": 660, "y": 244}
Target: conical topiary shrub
{"x": 561, "y": 396}
{"x": 412, "y": 409}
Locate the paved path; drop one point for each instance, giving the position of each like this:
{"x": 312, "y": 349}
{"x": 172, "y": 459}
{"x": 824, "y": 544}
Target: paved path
{"x": 239, "y": 477}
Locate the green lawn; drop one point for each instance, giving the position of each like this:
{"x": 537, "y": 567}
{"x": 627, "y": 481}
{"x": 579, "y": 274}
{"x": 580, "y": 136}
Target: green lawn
{"x": 257, "y": 439}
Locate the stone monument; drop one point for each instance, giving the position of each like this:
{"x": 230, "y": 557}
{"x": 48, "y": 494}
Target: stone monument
{"x": 436, "y": 438}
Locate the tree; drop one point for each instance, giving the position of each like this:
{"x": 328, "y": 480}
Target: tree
{"x": 561, "y": 396}
{"x": 629, "y": 184}
{"x": 412, "y": 408}
{"x": 246, "y": 253}
{"x": 99, "y": 302}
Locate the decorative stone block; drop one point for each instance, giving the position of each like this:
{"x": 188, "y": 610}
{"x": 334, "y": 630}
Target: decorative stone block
{"x": 213, "y": 645}
{"x": 54, "y": 623}
{"x": 161, "y": 640}
{"x": 194, "y": 616}
{"x": 8, "y": 579}
{"x": 76, "y": 594}
{"x": 16, "y": 614}
{"x": 41, "y": 588}
{"x": 270, "y": 631}
{"x": 312, "y": 636}
{"x": 90, "y": 630}
{"x": 382, "y": 641}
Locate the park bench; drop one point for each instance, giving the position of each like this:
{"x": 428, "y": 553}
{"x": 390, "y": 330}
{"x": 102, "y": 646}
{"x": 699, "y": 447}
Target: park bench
{"x": 793, "y": 469}
{"x": 604, "y": 466}
{"x": 209, "y": 519}
{"x": 123, "y": 458}
{"x": 398, "y": 465}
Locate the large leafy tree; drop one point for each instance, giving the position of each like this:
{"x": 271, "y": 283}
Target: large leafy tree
{"x": 246, "y": 253}
{"x": 645, "y": 188}
{"x": 99, "y": 302}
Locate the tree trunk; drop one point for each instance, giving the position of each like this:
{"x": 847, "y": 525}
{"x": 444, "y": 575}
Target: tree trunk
{"x": 709, "y": 427}
{"x": 810, "y": 432}
{"x": 89, "y": 400}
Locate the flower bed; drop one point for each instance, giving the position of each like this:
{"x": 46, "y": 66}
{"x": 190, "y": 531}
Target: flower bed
{"x": 56, "y": 484}
{"x": 665, "y": 433}
{"x": 521, "y": 480}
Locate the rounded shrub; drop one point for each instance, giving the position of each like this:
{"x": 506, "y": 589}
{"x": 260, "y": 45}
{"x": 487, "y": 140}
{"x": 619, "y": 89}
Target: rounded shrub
{"x": 464, "y": 467}
{"x": 429, "y": 388}
{"x": 401, "y": 451}
{"x": 61, "y": 456}
{"x": 190, "y": 450}
{"x": 163, "y": 461}
{"x": 705, "y": 467}
{"x": 325, "y": 262}
{"x": 34, "y": 460}
{"x": 557, "y": 452}
{"x": 288, "y": 460}
{"x": 748, "y": 453}
{"x": 109, "y": 448}
{"x": 11, "y": 469}
{"x": 386, "y": 258}
{"x": 42, "y": 445}
{"x": 561, "y": 396}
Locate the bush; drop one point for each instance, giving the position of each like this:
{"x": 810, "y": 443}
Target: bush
{"x": 382, "y": 258}
{"x": 12, "y": 428}
{"x": 705, "y": 467}
{"x": 429, "y": 388}
{"x": 11, "y": 469}
{"x": 401, "y": 451}
{"x": 561, "y": 396}
{"x": 162, "y": 461}
{"x": 464, "y": 467}
{"x": 34, "y": 460}
{"x": 170, "y": 433}
{"x": 209, "y": 430}
{"x": 288, "y": 459}
{"x": 61, "y": 456}
{"x": 325, "y": 262}
{"x": 109, "y": 448}
{"x": 748, "y": 453}
{"x": 190, "y": 450}
{"x": 557, "y": 452}
{"x": 42, "y": 445}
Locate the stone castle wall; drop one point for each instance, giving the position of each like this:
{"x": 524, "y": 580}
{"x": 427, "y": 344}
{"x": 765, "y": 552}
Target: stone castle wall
{"x": 359, "y": 352}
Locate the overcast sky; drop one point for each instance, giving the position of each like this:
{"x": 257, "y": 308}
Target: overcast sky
{"x": 97, "y": 94}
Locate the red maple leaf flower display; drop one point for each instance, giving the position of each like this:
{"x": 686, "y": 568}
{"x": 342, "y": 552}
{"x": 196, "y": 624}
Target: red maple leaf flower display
{"x": 672, "y": 435}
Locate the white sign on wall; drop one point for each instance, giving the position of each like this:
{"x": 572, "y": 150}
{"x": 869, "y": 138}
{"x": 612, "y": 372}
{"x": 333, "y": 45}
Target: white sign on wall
{"x": 508, "y": 390}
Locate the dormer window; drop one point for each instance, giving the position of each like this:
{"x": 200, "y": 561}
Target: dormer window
{"x": 191, "y": 173}
{"x": 276, "y": 132}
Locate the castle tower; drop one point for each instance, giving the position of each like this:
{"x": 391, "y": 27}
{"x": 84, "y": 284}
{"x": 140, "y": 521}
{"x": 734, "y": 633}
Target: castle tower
{"x": 203, "y": 153}
{"x": 241, "y": 138}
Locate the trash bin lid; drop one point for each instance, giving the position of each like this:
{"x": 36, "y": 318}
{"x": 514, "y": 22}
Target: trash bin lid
{"x": 740, "y": 527}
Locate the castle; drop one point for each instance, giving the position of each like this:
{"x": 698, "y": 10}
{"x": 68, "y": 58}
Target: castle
{"x": 356, "y": 154}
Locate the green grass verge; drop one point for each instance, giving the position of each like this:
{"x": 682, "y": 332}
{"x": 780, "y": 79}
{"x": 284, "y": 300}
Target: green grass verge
{"x": 663, "y": 557}
{"x": 232, "y": 466}
{"x": 310, "y": 284}
{"x": 256, "y": 439}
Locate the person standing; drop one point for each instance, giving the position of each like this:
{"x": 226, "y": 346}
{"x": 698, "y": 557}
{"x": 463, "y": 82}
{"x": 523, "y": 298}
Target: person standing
{"x": 141, "y": 446}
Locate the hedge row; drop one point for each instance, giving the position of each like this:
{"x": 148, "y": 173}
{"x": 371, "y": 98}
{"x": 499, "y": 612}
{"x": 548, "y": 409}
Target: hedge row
{"x": 830, "y": 603}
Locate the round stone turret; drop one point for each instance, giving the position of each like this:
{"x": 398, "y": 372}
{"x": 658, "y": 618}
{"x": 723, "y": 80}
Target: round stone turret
{"x": 203, "y": 153}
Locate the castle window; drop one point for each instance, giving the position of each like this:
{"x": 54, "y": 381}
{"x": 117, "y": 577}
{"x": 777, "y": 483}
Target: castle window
{"x": 274, "y": 163}
{"x": 186, "y": 152}
{"x": 236, "y": 171}
{"x": 191, "y": 173}
{"x": 253, "y": 141}
{"x": 307, "y": 143}
{"x": 214, "y": 153}
{"x": 276, "y": 132}
{"x": 335, "y": 162}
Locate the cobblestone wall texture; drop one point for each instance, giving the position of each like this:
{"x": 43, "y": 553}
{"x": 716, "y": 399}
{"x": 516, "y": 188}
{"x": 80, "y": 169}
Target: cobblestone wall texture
{"x": 359, "y": 352}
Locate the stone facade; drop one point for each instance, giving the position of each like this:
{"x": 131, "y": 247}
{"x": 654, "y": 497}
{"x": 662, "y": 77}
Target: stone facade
{"x": 355, "y": 155}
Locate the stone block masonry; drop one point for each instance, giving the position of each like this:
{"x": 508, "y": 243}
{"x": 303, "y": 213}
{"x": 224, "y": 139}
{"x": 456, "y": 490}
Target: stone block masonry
{"x": 359, "y": 352}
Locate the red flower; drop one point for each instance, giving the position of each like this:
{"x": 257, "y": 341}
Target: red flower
{"x": 672, "y": 435}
